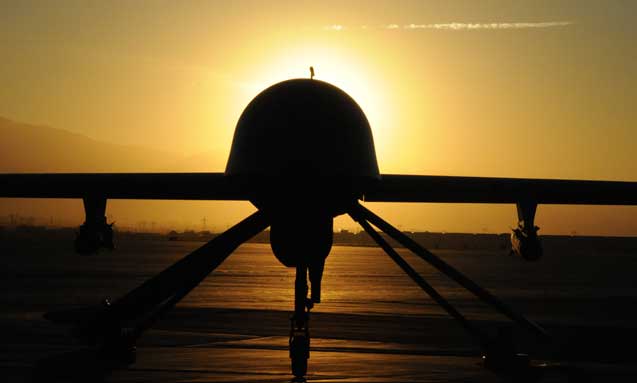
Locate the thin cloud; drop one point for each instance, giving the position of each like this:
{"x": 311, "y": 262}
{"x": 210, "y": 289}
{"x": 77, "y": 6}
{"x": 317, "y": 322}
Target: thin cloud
{"x": 334, "y": 27}
{"x": 473, "y": 26}
{"x": 456, "y": 26}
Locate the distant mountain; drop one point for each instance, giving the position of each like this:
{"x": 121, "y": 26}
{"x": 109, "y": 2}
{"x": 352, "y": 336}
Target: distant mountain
{"x": 31, "y": 148}
{"x": 202, "y": 162}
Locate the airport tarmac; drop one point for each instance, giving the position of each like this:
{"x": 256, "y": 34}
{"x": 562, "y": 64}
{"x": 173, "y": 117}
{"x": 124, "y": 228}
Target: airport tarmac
{"x": 39, "y": 351}
{"x": 186, "y": 356}
{"x": 374, "y": 325}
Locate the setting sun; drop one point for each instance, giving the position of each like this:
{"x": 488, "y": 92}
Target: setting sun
{"x": 357, "y": 77}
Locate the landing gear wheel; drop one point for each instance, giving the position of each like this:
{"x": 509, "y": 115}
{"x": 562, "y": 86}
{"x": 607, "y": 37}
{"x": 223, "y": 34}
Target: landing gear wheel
{"x": 118, "y": 345}
{"x": 300, "y": 343}
{"x": 299, "y": 354}
{"x": 120, "y": 352}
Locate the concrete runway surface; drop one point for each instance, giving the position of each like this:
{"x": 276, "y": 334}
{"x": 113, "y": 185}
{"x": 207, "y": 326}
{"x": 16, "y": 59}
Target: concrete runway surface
{"x": 374, "y": 325}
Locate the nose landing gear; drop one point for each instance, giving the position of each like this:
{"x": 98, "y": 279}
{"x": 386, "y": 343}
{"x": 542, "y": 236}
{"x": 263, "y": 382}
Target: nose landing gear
{"x": 300, "y": 344}
{"x": 300, "y": 327}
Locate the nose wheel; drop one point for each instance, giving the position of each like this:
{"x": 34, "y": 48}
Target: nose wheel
{"x": 299, "y": 341}
{"x": 300, "y": 344}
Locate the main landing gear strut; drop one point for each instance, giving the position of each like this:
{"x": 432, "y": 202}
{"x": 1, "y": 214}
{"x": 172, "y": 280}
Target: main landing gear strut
{"x": 499, "y": 353}
{"x": 115, "y": 327}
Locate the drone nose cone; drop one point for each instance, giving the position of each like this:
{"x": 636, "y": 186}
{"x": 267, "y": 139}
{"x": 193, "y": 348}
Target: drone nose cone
{"x": 303, "y": 128}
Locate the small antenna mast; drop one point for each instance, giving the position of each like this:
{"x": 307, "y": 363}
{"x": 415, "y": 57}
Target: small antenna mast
{"x": 311, "y": 73}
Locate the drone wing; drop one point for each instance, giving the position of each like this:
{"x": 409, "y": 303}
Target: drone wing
{"x": 169, "y": 186}
{"x": 409, "y": 188}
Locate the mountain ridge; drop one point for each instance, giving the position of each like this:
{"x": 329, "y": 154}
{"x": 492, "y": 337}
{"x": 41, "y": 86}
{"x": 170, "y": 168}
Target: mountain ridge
{"x": 52, "y": 149}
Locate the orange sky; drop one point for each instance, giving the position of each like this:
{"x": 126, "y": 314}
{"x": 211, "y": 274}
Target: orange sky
{"x": 514, "y": 89}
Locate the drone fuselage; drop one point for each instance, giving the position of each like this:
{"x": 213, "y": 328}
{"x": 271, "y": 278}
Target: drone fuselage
{"x": 306, "y": 150}
{"x": 303, "y": 140}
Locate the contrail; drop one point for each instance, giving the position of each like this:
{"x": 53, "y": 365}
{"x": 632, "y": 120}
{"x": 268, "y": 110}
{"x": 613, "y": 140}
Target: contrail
{"x": 455, "y": 26}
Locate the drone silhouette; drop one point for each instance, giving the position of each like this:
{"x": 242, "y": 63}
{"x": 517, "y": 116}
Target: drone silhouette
{"x": 302, "y": 154}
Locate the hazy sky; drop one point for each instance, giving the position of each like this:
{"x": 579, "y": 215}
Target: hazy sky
{"x": 485, "y": 88}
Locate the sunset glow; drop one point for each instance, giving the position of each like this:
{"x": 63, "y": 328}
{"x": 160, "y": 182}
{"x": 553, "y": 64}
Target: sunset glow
{"x": 538, "y": 90}
{"x": 336, "y": 66}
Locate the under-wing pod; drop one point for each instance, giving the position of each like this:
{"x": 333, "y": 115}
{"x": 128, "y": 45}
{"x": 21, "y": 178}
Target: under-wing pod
{"x": 93, "y": 236}
{"x": 95, "y": 232}
{"x": 526, "y": 243}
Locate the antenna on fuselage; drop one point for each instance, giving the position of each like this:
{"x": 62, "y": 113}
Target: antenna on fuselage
{"x": 311, "y": 73}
